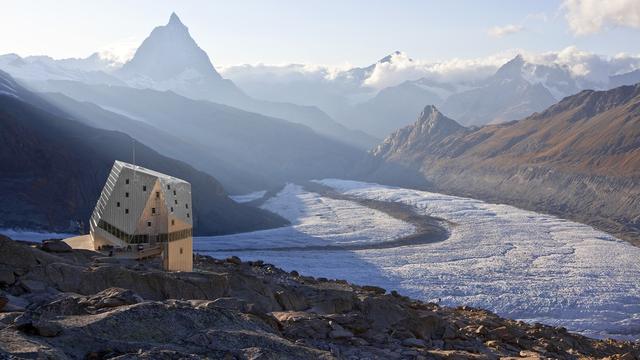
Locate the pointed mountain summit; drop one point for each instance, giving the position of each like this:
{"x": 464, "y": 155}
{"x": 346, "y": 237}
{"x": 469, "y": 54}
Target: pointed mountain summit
{"x": 170, "y": 59}
{"x": 433, "y": 123}
{"x": 511, "y": 69}
{"x": 174, "y": 20}
{"x": 431, "y": 128}
{"x": 513, "y": 92}
{"x": 170, "y": 52}
{"x": 389, "y": 58}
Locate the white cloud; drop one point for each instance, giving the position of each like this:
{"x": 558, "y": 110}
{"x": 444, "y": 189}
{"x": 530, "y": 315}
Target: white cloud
{"x": 580, "y": 64}
{"x": 500, "y": 31}
{"x": 281, "y": 72}
{"x": 585, "y": 65}
{"x": 401, "y": 69}
{"x": 591, "y": 16}
{"x": 121, "y": 51}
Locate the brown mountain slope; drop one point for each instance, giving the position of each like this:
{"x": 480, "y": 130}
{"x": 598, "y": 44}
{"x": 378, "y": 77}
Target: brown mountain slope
{"x": 579, "y": 158}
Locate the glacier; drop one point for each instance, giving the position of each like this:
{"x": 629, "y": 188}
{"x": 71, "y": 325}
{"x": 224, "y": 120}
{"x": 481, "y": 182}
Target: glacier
{"x": 245, "y": 198}
{"x": 519, "y": 264}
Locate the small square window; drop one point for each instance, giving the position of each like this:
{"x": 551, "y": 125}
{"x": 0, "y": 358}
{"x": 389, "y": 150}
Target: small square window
{"x": 172, "y": 209}
{"x": 173, "y": 222}
{"x": 175, "y": 201}
{"x": 149, "y": 223}
{"x": 126, "y": 181}
{"x": 118, "y": 204}
{"x": 168, "y": 187}
{"x": 180, "y": 251}
{"x": 157, "y": 194}
{"x": 126, "y": 211}
{"x": 144, "y": 187}
{"x": 126, "y": 194}
{"x": 188, "y": 215}
{"x": 153, "y": 210}
{"x": 186, "y": 205}
{"x": 174, "y": 193}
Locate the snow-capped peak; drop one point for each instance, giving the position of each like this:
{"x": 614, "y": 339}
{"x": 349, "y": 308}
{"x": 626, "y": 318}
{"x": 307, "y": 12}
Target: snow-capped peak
{"x": 168, "y": 52}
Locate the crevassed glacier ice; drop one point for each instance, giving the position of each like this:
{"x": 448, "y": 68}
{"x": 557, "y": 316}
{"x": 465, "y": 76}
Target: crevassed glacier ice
{"x": 518, "y": 263}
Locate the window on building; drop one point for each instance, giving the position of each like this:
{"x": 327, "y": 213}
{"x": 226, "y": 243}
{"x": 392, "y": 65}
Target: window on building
{"x": 168, "y": 187}
{"x": 157, "y": 194}
{"x": 173, "y": 222}
{"x": 186, "y": 205}
{"x": 126, "y": 181}
{"x": 188, "y": 215}
{"x": 126, "y": 211}
{"x": 144, "y": 187}
{"x": 180, "y": 251}
{"x": 175, "y": 201}
{"x": 174, "y": 193}
{"x": 118, "y": 204}
{"x": 172, "y": 209}
{"x": 126, "y": 194}
{"x": 149, "y": 223}
{"x": 153, "y": 210}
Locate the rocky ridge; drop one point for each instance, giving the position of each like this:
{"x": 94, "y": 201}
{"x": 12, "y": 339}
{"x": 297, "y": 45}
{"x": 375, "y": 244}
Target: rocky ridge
{"x": 578, "y": 159}
{"x": 230, "y": 309}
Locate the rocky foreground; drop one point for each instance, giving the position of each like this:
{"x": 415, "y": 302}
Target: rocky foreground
{"x": 63, "y": 303}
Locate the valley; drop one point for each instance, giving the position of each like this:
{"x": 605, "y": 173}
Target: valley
{"x": 518, "y": 263}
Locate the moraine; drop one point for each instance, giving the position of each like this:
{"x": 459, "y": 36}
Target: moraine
{"x": 517, "y": 263}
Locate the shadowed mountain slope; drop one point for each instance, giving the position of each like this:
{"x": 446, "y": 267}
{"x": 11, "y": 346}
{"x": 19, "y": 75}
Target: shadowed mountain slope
{"x": 53, "y": 169}
{"x": 277, "y": 150}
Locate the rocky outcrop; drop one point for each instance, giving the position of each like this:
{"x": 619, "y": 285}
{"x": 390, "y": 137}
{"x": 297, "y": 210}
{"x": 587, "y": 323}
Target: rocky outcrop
{"x": 579, "y": 159}
{"x": 230, "y": 309}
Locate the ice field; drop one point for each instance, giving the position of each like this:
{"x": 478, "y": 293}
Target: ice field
{"x": 518, "y": 263}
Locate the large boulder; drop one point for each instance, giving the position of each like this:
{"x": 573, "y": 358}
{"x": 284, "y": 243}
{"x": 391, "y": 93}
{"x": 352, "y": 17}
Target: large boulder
{"x": 332, "y": 301}
{"x": 383, "y": 311}
{"x": 14, "y": 303}
{"x": 426, "y": 326}
{"x": 112, "y": 297}
{"x": 7, "y": 277}
{"x": 300, "y": 324}
{"x": 290, "y": 300}
{"x": 56, "y": 246}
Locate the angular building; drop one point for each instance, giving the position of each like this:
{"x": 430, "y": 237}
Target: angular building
{"x": 143, "y": 213}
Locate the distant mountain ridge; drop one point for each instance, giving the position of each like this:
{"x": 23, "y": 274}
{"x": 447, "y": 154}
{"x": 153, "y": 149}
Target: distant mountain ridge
{"x": 219, "y": 139}
{"x": 579, "y": 158}
{"x": 518, "y": 88}
{"x": 505, "y": 96}
{"x": 52, "y": 169}
{"x": 169, "y": 59}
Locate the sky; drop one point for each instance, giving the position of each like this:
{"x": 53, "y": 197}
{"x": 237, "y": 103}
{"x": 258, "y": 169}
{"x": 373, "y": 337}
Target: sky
{"x": 329, "y": 32}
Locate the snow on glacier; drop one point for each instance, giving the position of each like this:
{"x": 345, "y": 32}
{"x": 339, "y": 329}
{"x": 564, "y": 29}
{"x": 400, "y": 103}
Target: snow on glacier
{"x": 315, "y": 221}
{"x": 518, "y": 263}
{"x": 248, "y": 197}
